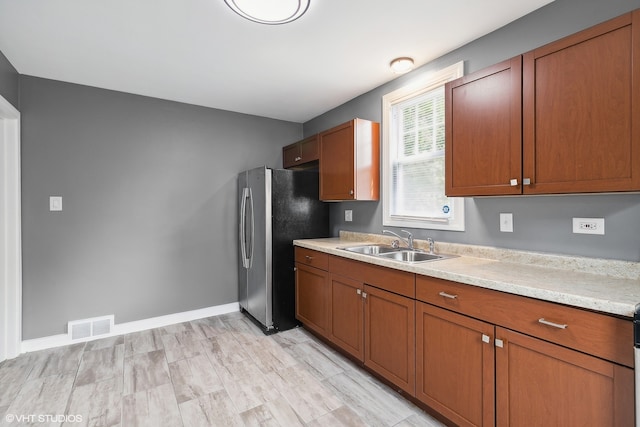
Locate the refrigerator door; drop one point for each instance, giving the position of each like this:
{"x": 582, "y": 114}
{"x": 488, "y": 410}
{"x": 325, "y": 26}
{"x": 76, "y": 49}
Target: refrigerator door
{"x": 259, "y": 286}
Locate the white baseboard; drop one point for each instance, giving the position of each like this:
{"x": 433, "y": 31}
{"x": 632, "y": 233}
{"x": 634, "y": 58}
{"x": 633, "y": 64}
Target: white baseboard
{"x": 129, "y": 327}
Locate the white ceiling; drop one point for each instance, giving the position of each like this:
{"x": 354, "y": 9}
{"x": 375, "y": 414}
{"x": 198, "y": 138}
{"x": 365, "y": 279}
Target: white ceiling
{"x": 200, "y": 52}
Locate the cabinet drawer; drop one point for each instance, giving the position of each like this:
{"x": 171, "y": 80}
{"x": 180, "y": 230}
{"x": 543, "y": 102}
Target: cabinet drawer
{"x": 313, "y": 258}
{"x": 598, "y": 334}
{"x": 399, "y": 282}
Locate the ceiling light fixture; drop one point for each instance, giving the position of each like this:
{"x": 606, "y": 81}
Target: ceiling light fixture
{"x": 270, "y": 12}
{"x": 401, "y": 65}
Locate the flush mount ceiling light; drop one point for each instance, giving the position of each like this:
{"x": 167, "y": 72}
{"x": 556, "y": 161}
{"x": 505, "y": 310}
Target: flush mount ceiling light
{"x": 401, "y": 65}
{"x": 271, "y": 12}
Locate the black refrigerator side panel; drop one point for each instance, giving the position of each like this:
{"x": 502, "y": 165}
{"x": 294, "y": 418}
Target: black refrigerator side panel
{"x": 297, "y": 214}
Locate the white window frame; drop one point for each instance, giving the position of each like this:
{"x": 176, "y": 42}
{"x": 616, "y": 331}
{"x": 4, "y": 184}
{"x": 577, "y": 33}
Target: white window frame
{"x": 420, "y": 85}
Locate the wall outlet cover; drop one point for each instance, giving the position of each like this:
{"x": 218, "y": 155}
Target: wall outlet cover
{"x": 588, "y": 225}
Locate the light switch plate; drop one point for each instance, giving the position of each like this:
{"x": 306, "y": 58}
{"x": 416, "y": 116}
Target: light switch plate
{"x": 348, "y": 215}
{"x": 506, "y": 222}
{"x": 55, "y": 203}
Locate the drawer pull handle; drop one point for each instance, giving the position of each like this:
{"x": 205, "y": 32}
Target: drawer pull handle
{"x": 298, "y": 158}
{"x": 555, "y": 325}
{"x": 446, "y": 295}
{"x": 309, "y": 258}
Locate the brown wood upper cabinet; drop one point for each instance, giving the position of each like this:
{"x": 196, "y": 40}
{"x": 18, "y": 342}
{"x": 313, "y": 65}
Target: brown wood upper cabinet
{"x": 350, "y": 161}
{"x": 301, "y": 154}
{"x": 580, "y": 118}
{"x": 483, "y": 140}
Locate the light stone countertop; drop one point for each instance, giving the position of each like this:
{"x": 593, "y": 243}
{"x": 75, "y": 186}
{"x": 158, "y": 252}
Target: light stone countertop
{"x": 608, "y": 286}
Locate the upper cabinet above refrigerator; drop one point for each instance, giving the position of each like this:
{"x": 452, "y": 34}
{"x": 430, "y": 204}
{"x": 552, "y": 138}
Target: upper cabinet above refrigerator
{"x": 302, "y": 154}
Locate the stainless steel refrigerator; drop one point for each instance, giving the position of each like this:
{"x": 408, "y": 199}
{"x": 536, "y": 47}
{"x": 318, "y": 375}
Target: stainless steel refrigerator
{"x": 276, "y": 206}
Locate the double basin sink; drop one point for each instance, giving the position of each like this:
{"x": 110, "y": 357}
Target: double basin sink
{"x": 396, "y": 254}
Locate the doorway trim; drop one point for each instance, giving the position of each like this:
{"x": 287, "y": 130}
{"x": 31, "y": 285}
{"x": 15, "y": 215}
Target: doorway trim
{"x": 10, "y": 233}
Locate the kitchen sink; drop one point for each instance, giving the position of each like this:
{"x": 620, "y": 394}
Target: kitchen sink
{"x": 371, "y": 249}
{"x": 412, "y": 256}
{"x": 396, "y": 254}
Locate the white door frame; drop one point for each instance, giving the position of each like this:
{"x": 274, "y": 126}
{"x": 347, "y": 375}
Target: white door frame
{"x": 10, "y": 233}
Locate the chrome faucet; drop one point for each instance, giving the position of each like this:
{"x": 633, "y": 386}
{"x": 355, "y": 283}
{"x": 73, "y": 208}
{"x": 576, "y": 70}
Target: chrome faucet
{"x": 408, "y": 240}
{"x": 431, "y": 245}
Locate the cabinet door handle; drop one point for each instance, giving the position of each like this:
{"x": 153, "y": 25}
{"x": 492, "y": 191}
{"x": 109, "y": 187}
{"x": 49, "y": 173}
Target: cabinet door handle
{"x": 553, "y": 324}
{"x": 526, "y": 181}
{"x": 446, "y": 295}
{"x": 486, "y": 338}
{"x": 358, "y": 291}
{"x": 297, "y": 159}
{"x": 351, "y": 192}
{"x": 499, "y": 343}
{"x": 364, "y": 295}
{"x": 513, "y": 182}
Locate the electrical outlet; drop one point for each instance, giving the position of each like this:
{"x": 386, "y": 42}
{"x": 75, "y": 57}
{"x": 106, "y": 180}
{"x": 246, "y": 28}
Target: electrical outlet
{"x": 348, "y": 215}
{"x": 506, "y": 222}
{"x": 588, "y": 225}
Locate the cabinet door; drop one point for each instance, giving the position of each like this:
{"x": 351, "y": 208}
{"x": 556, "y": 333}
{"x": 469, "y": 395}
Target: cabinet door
{"x": 347, "y": 315}
{"x": 350, "y": 161}
{"x": 337, "y": 163}
{"x": 483, "y": 140}
{"x": 539, "y": 383}
{"x": 310, "y": 149}
{"x": 455, "y": 365}
{"x": 312, "y": 298}
{"x": 581, "y": 111}
{"x": 389, "y": 340}
{"x": 291, "y": 155}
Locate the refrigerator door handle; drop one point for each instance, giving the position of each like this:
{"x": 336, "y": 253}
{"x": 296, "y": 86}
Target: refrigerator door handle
{"x": 250, "y": 249}
{"x": 243, "y": 231}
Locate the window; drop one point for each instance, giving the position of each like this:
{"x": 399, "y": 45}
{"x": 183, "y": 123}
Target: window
{"x": 413, "y": 156}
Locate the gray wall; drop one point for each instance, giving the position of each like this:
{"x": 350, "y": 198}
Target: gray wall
{"x": 540, "y": 223}
{"x": 9, "y": 81}
{"x": 148, "y": 225}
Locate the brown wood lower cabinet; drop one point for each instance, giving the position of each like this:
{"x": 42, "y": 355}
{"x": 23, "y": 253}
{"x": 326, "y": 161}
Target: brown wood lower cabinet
{"x": 312, "y": 298}
{"x": 389, "y": 341}
{"x": 347, "y": 315}
{"x": 455, "y": 365}
{"x": 539, "y": 383}
{"x": 478, "y": 357}
{"x": 466, "y": 355}
{"x": 375, "y": 326}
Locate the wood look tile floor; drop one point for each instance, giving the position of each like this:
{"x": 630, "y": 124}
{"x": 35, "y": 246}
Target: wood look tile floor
{"x": 219, "y": 371}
